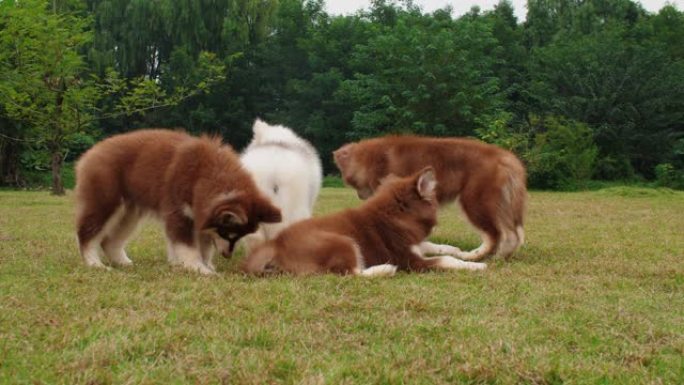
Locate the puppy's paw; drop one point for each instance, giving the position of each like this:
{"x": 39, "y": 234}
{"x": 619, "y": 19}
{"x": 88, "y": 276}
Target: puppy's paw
{"x": 385, "y": 270}
{"x": 98, "y": 265}
{"x": 429, "y": 248}
{"x": 206, "y": 271}
{"x": 199, "y": 268}
{"x": 451, "y": 263}
{"x": 476, "y": 266}
{"x": 448, "y": 250}
{"x": 122, "y": 262}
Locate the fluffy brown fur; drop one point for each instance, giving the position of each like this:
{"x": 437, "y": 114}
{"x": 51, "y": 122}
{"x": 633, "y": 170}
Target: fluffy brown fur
{"x": 195, "y": 185}
{"x": 489, "y": 182}
{"x": 373, "y": 239}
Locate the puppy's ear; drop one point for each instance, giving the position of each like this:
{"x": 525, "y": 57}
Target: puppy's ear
{"x": 266, "y": 212}
{"x": 224, "y": 215}
{"x": 426, "y": 183}
{"x": 231, "y": 217}
{"x": 343, "y": 154}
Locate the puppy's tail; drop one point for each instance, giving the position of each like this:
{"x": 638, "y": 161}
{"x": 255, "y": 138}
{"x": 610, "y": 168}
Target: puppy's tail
{"x": 513, "y": 206}
{"x": 259, "y": 129}
{"x": 260, "y": 260}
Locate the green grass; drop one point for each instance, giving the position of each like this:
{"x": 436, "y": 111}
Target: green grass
{"x": 596, "y": 296}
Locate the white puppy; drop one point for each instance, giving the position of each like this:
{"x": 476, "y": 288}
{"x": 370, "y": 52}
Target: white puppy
{"x": 287, "y": 169}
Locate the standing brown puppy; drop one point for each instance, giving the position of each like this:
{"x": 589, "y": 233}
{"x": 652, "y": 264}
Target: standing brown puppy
{"x": 195, "y": 185}
{"x": 489, "y": 182}
{"x": 370, "y": 240}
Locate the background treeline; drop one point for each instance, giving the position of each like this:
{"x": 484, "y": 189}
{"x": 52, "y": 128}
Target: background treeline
{"x": 580, "y": 90}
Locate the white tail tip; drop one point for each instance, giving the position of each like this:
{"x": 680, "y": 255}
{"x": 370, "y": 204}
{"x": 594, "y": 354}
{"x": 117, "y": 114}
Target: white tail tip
{"x": 259, "y": 126}
{"x": 385, "y": 270}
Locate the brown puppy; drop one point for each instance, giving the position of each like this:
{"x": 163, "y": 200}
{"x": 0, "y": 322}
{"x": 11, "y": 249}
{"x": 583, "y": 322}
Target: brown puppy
{"x": 195, "y": 185}
{"x": 488, "y": 181}
{"x": 373, "y": 239}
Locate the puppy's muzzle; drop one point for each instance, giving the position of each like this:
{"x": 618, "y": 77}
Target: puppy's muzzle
{"x": 225, "y": 247}
{"x": 364, "y": 194}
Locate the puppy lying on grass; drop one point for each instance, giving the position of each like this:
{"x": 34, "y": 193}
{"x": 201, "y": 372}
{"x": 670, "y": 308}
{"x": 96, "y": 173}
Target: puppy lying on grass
{"x": 375, "y": 239}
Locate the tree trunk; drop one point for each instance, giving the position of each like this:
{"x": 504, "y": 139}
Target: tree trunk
{"x": 57, "y": 163}
{"x": 9, "y": 158}
{"x": 57, "y": 143}
{"x": 3, "y": 155}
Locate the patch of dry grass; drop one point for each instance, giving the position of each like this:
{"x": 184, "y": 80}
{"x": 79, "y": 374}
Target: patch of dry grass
{"x": 594, "y": 297}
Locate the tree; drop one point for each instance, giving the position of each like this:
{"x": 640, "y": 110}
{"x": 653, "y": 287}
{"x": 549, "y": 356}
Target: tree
{"x": 109, "y": 66}
{"x": 42, "y": 81}
{"x": 511, "y": 59}
{"x": 625, "y": 87}
{"x": 311, "y": 54}
{"x": 426, "y": 75}
{"x": 46, "y": 84}
{"x": 10, "y": 147}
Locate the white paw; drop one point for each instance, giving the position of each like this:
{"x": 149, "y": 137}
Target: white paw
{"x": 429, "y": 248}
{"x": 204, "y": 270}
{"x": 198, "y": 268}
{"x": 448, "y": 250}
{"x": 96, "y": 264}
{"x": 99, "y": 265}
{"x": 451, "y": 263}
{"x": 385, "y": 270}
{"x": 476, "y": 265}
{"x": 122, "y": 261}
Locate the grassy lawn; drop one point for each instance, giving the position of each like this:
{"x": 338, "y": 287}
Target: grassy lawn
{"x": 596, "y": 296}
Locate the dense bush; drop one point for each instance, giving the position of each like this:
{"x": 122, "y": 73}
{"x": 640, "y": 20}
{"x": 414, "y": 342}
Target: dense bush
{"x": 669, "y": 176}
{"x": 559, "y": 153}
{"x": 614, "y": 168}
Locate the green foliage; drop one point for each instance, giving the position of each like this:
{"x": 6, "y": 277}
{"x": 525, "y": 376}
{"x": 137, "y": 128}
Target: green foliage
{"x": 41, "y": 179}
{"x": 47, "y": 85}
{"x": 613, "y": 76}
{"x": 614, "y": 167}
{"x": 669, "y": 176}
{"x": 43, "y": 84}
{"x": 77, "y": 144}
{"x": 501, "y": 132}
{"x": 35, "y": 162}
{"x": 101, "y": 67}
{"x": 425, "y": 75}
{"x": 559, "y": 153}
{"x": 139, "y": 94}
{"x": 35, "y": 159}
{"x": 562, "y": 153}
